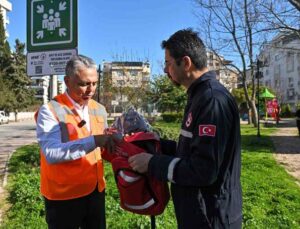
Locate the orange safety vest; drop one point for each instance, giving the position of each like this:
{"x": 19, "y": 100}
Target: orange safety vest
{"x": 77, "y": 178}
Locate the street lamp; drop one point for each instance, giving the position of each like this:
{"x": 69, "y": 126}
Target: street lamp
{"x": 258, "y": 76}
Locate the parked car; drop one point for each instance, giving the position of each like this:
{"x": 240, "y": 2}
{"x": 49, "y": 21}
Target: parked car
{"x": 3, "y": 117}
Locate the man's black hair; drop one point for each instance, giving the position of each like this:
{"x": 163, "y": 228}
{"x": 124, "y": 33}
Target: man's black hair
{"x": 186, "y": 42}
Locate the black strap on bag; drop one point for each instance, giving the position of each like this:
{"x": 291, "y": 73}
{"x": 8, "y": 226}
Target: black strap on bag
{"x": 152, "y": 217}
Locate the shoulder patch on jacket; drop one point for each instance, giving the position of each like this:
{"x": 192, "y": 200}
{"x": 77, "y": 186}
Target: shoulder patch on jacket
{"x": 207, "y": 130}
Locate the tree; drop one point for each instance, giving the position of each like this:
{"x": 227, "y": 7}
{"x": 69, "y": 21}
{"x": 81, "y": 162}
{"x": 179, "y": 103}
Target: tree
{"x": 18, "y": 82}
{"x": 14, "y": 83}
{"x": 229, "y": 27}
{"x": 125, "y": 85}
{"x": 4, "y": 47}
{"x": 5, "y": 93}
{"x": 4, "y": 62}
{"x": 166, "y": 96}
{"x": 279, "y": 15}
{"x": 237, "y": 29}
{"x": 295, "y": 3}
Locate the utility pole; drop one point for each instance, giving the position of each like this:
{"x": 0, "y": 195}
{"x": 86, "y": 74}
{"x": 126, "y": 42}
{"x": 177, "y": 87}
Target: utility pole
{"x": 258, "y": 76}
{"x": 99, "y": 78}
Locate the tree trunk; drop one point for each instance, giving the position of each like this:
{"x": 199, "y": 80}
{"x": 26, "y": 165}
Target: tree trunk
{"x": 295, "y": 3}
{"x": 254, "y": 114}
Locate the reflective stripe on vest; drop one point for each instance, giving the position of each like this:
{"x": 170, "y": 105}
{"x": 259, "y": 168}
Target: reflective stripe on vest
{"x": 73, "y": 179}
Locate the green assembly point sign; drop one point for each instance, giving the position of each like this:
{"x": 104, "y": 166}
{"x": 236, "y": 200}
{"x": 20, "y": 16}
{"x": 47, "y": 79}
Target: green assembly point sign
{"x": 51, "y": 25}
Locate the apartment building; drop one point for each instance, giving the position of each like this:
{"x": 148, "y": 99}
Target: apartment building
{"x": 61, "y": 86}
{"x": 47, "y": 87}
{"x": 226, "y": 76}
{"x": 5, "y": 6}
{"x": 127, "y": 74}
{"x": 41, "y": 86}
{"x": 120, "y": 75}
{"x": 281, "y": 67}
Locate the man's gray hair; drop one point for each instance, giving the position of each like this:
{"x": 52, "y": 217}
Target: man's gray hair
{"x": 78, "y": 62}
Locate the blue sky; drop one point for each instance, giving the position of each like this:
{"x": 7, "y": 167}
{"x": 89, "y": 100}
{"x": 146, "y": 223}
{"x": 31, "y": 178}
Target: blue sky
{"x": 119, "y": 29}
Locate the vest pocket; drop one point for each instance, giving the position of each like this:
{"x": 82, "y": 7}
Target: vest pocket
{"x": 79, "y": 171}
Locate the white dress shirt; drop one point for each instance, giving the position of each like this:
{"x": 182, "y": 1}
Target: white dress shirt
{"x": 49, "y": 136}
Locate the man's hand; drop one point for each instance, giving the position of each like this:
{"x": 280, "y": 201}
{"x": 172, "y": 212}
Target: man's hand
{"x": 108, "y": 141}
{"x": 139, "y": 162}
{"x": 105, "y": 141}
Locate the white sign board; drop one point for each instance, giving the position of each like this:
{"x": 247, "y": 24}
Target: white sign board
{"x": 49, "y": 62}
{"x": 114, "y": 102}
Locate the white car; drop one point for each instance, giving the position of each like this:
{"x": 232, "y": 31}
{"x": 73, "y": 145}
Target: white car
{"x": 3, "y": 118}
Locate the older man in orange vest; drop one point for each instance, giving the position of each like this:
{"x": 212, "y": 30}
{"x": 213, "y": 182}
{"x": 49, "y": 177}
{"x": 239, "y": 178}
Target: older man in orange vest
{"x": 70, "y": 132}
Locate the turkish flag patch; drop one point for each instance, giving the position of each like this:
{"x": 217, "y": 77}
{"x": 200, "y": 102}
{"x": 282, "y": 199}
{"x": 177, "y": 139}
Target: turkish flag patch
{"x": 207, "y": 130}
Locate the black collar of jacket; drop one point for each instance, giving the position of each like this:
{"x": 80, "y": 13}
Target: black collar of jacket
{"x": 210, "y": 75}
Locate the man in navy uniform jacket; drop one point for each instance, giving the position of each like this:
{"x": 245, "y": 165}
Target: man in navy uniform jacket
{"x": 204, "y": 168}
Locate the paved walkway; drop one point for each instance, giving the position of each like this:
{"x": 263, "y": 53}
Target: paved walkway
{"x": 12, "y": 136}
{"x": 287, "y": 147}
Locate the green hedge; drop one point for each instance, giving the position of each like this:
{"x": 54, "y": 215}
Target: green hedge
{"x": 172, "y": 117}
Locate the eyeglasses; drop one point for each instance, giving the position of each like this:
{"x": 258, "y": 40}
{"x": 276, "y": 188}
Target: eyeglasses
{"x": 169, "y": 62}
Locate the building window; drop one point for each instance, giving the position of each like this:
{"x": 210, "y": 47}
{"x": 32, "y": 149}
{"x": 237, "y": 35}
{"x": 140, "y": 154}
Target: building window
{"x": 291, "y": 82}
{"x": 291, "y": 93}
{"x": 134, "y": 72}
{"x": 290, "y": 62}
{"x": 120, "y": 73}
{"x": 267, "y": 72}
{"x": 277, "y": 71}
{"x": 134, "y": 83}
{"x": 121, "y": 82}
{"x": 277, "y": 57}
{"x": 268, "y": 83}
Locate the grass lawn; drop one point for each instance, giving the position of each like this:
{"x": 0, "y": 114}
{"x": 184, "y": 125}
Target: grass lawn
{"x": 271, "y": 197}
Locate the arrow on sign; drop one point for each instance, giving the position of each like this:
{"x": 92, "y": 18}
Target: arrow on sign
{"x": 40, "y": 34}
{"x": 62, "y": 6}
{"x": 62, "y": 32}
{"x": 40, "y": 9}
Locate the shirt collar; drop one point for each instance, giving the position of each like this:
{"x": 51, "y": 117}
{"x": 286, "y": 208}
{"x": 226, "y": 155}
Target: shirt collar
{"x": 77, "y": 106}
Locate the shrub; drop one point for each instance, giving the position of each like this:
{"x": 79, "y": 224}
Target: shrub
{"x": 172, "y": 116}
{"x": 286, "y": 111}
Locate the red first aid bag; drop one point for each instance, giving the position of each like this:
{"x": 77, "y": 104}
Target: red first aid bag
{"x": 139, "y": 193}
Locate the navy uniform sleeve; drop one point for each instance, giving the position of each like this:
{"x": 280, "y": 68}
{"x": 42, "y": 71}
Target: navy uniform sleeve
{"x": 210, "y": 134}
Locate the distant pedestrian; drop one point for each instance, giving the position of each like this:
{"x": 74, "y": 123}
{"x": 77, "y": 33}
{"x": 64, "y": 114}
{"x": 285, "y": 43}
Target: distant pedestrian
{"x": 277, "y": 114}
{"x": 298, "y": 120}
